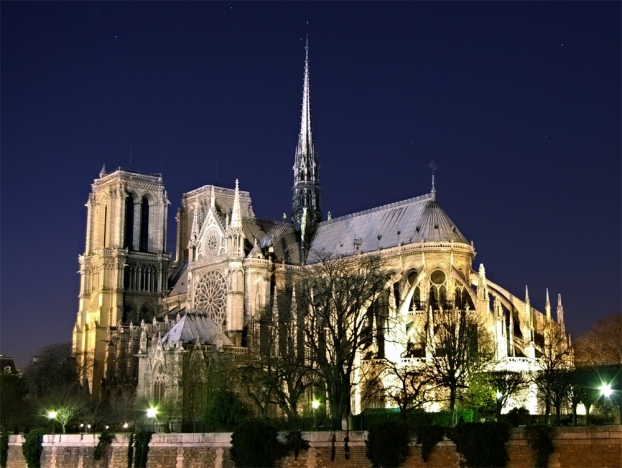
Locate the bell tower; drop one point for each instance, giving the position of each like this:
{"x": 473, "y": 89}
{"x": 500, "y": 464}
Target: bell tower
{"x": 124, "y": 268}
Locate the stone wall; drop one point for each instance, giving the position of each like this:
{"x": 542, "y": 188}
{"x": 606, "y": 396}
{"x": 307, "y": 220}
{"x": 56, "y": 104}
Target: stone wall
{"x": 575, "y": 447}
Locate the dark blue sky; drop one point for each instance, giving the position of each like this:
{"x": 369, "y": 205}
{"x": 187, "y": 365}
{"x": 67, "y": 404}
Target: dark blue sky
{"x": 518, "y": 104}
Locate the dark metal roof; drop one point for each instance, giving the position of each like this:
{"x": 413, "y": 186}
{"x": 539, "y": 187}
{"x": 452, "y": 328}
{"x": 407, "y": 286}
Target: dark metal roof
{"x": 409, "y": 221}
{"x": 281, "y": 235}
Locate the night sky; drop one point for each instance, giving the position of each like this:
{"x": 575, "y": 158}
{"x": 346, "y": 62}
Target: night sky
{"x": 517, "y": 103}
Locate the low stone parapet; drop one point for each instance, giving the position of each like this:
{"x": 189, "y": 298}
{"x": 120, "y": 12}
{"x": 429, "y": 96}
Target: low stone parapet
{"x": 575, "y": 447}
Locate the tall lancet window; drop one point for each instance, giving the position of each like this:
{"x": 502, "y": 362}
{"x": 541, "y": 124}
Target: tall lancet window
{"x": 105, "y": 224}
{"x": 144, "y": 225}
{"x": 129, "y": 223}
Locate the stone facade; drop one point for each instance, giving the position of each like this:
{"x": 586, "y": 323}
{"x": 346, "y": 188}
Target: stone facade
{"x": 141, "y": 315}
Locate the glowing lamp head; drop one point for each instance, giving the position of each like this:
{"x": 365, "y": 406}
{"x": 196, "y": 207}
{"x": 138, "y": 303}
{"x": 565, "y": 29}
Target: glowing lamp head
{"x": 151, "y": 412}
{"x": 125, "y": 426}
{"x": 499, "y": 395}
{"x": 605, "y": 390}
{"x": 52, "y": 414}
{"x": 315, "y": 404}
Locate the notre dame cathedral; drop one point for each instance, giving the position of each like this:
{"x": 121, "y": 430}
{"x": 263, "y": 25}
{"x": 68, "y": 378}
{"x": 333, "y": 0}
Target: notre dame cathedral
{"x": 139, "y": 306}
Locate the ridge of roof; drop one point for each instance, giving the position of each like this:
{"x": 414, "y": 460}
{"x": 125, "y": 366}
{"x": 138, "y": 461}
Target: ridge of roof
{"x": 427, "y": 196}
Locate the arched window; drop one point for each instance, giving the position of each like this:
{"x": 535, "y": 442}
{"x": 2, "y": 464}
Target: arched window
{"x": 144, "y": 225}
{"x": 129, "y": 223}
{"x": 443, "y": 296}
{"x": 433, "y": 297}
{"x": 417, "y": 299}
{"x": 158, "y": 386}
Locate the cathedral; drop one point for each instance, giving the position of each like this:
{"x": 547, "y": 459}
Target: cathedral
{"x": 141, "y": 307}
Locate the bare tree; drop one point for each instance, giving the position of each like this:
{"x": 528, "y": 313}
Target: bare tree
{"x": 66, "y": 402}
{"x": 553, "y": 379}
{"x": 601, "y": 344}
{"x": 407, "y": 385}
{"x": 54, "y": 383}
{"x": 505, "y": 385}
{"x": 55, "y": 366}
{"x": 278, "y": 372}
{"x": 336, "y": 297}
{"x": 457, "y": 347}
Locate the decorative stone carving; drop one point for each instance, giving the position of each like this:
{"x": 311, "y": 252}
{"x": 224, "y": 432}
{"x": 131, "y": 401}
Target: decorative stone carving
{"x": 210, "y": 295}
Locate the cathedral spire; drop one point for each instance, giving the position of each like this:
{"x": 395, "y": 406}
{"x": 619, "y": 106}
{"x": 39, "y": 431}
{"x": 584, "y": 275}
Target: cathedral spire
{"x": 236, "y": 216}
{"x": 306, "y": 189}
{"x": 560, "y": 312}
{"x": 547, "y": 306}
{"x": 433, "y": 167}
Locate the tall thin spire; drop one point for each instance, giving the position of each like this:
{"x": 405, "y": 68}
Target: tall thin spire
{"x": 547, "y": 306}
{"x": 433, "y": 167}
{"x": 236, "y": 216}
{"x": 560, "y": 313}
{"x": 306, "y": 189}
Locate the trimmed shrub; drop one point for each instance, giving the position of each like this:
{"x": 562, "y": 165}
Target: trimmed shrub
{"x": 254, "y": 444}
{"x": 518, "y": 416}
{"x": 105, "y": 439}
{"x": 482, "y": 444}
{"x": 295, "y": 443}
{"x": 141, "y": 448}
{"x": 428, "y": 437}
{"x": 32, "y": 448}
{"x": 387, "y": 444}
{"x": 4, "y": 449}
{"x": 539, "y": 439}
{"x": 130, "y": 451}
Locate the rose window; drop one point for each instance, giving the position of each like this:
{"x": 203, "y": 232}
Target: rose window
{"x": 212, "y": 242}
{"x": 210, "y": 295}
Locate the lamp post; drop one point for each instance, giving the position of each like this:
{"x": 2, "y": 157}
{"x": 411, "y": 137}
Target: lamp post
{"x": 605, "y": 390}
{"x": 316, "y": 405}
{"x": 52, "y": 415}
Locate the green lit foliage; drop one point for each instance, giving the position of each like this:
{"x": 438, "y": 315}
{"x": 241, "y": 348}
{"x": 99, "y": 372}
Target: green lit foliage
{"x": 255, "y": 444}
{"x": 32, "y": 448}
{"x": 482, "y": 444}
{"x": 539, "y": 439}
{"x": 387, "y": 444}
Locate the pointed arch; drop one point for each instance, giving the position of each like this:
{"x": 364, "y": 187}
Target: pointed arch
{"x": 144, "y": 224}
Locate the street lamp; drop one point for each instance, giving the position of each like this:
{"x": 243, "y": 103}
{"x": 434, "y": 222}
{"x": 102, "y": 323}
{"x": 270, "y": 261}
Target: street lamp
{"x": 151, "y": 414}
{"x": 316, "y": 405}
{"x": 605, "y": 390}
{"x": 52, "y": 415}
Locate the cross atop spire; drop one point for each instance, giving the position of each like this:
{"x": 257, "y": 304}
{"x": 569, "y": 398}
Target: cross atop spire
{"x": 433, "y": 167}
{"x": 306, "y": 190}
